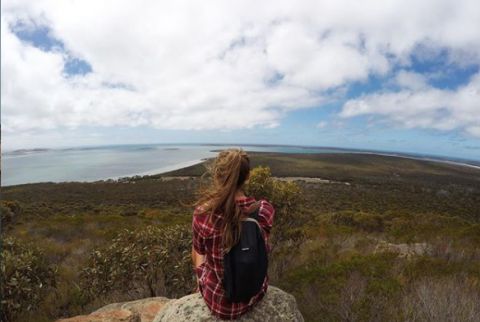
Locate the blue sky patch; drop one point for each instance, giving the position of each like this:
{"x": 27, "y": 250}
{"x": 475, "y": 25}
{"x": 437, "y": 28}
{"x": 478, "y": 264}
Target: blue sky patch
{"x": 41, "y": 37}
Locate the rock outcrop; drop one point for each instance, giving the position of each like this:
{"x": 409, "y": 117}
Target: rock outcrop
{"x": 143, "y": 310}
{"x": 277, "y": 305}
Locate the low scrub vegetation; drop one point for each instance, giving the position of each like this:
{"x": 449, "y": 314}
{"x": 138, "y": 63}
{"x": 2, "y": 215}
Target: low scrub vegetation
{"x": 386, "y": 240}
{"x": 146, "y": 262}
{"x": 27, "y": 277}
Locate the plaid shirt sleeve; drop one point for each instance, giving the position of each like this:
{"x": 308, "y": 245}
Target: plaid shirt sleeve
{"x": 266, "y": 215}
{"x": 198, "y": 240}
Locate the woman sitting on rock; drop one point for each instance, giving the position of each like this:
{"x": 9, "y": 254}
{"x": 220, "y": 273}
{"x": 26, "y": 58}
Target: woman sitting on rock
{"x": 216, "y": 228}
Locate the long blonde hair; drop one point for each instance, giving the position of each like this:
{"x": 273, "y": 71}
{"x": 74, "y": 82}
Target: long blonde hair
{"x": 229, "y": 172}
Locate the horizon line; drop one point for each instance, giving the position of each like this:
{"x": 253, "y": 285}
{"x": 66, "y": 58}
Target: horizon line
{"x": 364, "y": 150}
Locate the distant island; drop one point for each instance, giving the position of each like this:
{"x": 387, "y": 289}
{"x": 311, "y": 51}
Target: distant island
{"x": 21, "y": 151}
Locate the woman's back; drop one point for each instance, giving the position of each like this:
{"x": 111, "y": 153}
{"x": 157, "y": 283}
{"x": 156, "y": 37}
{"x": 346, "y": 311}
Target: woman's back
{"x": 207, "y": 241}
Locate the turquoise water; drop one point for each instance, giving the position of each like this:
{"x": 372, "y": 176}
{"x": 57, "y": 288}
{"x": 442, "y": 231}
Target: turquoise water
{"x": 91, "y": 164}
{"x": 112, "y": 162}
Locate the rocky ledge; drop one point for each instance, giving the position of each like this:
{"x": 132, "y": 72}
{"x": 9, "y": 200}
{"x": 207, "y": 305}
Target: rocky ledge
{"x": 277, "y": 305}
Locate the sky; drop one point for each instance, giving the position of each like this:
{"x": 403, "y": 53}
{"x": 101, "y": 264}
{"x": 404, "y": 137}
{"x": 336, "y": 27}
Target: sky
{"x": 384, "y": 75}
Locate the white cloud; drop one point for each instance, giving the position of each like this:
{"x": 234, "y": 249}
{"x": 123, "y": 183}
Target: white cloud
{"x": 322, "y": 124}
{"x": 222, "y": 64}
{"x": 474, "y": 130}
{"x": 423, "y": 106}
{"x": 411, "y": 80}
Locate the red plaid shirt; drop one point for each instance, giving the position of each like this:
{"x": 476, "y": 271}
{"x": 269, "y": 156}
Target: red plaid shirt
{"x": 207, "y": 240}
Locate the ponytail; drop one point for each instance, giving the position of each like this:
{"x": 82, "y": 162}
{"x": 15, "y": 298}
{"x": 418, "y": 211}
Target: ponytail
{"x": 229, "y": 171}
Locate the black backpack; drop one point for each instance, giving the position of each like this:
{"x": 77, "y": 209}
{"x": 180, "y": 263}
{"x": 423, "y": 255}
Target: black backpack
{"x": 245, "y": 265}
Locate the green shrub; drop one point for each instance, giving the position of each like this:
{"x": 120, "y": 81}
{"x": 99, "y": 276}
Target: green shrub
{"x": 151, "y": 261}
{"x": 361, "y": 220}
{"x": 285, "y": 196}
{"x": 9, "y": 211}
{"x": 344, "y": 218}
{"x": 359, "y": 288}
{"x": 369, "y": 222}
{"x": 282, "y": 194}
{"x": 472, "y": 233}
{"x": 26, "y": 278}
{"x": 260, "y": 183}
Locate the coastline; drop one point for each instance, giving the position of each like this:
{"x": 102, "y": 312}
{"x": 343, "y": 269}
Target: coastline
{"x": 189, "y": 163}
{"x": 457, "y": 163}
{"x": 158, "y": 171}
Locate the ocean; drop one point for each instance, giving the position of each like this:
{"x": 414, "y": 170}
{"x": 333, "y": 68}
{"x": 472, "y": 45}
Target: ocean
{"x": 112, "y": 162}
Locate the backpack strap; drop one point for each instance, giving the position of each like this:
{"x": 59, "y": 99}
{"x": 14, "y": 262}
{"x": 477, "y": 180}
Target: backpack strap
{"x": 253, "y": 210}
{"x": 253, "y": 220}
{"x": 253, "y": 215}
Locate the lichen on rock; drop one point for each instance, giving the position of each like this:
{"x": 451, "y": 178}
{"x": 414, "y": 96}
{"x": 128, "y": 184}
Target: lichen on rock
{"x": 277, "y": 305}
{"x": 143, "y": 310}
